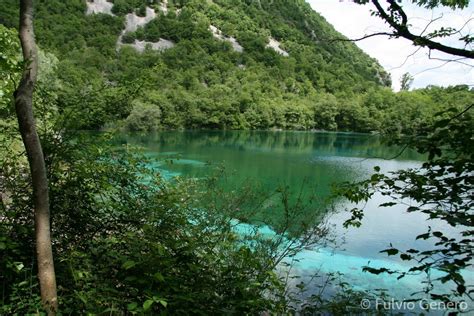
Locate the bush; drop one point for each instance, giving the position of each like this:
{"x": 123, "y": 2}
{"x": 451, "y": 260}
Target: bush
{"x": 143, "y": 118}
{"x": 126, "y": 241}
{"x": 129, "y": 38}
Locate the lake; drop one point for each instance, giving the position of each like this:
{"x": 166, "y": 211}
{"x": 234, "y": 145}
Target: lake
{"x": 309, "y": 162}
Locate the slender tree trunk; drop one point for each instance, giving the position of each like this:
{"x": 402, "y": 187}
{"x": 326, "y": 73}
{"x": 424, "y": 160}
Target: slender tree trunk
{"x": 26, "y": 122}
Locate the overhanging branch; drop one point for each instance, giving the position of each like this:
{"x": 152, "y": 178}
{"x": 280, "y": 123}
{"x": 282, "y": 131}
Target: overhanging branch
{"x": 401, "y": 30}
{"x": 361, "y": 38}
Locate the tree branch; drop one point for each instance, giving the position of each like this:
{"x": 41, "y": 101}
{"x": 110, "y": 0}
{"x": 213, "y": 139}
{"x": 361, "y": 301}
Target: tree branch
{"x": 361, "y": 38}
{"x": 401, "y": 30}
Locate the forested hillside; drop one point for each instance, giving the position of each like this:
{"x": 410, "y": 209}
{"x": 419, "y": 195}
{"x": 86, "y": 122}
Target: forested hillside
{"x": 201, "y": 76}
{"x": 223, "y": 64}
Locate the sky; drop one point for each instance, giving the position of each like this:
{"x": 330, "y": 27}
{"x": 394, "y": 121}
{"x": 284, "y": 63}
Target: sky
{"x": 399, "y": 56}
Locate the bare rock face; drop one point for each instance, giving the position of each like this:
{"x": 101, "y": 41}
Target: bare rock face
{"x": 161, "y": 45}
{"x": 134, "y": 21}
{"x": 275, "y": 45}
{"x": 99, "y": 6}
{"x": 164, "y": 6}
{"x": 218, "y": 35}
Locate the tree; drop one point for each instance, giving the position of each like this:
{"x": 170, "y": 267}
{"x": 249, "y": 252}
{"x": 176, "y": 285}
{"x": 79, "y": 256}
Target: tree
{"x": 406, "y": 81}
{"x": 26, "y": 121}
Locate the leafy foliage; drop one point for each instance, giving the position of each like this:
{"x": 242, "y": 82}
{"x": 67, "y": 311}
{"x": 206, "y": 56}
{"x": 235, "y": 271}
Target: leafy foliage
{"x": 10, "y": 68}
{"x": 126, "y": 241}
{"x": 441, "y": 189}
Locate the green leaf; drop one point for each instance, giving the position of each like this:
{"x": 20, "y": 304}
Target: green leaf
{"x": 164, "y": 303}
{"x": 82, "y": 297}
{"x": 442, "y": 123}
{"x": 132, "y": 306}
{"x": 405, "y": 257}
{"x": 147, "y": 305}
{"x": 129, "y": 264}
{"x": 19, "y": 266}
{"x": 390, "y": 251}
{"x": 376, "y": 271}
{"x": 159, "y": 277}
{"x": 375, "y": 178}
{"x": 423, "y": 236}
{"x": 388, "y": 204}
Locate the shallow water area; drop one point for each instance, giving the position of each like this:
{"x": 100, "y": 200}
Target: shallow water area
{"x": 314, "y": 161}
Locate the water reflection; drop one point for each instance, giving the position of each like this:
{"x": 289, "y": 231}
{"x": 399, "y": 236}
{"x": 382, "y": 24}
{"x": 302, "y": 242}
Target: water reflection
{"x": 289, "y": 142}
{"x": 318, "y": 160}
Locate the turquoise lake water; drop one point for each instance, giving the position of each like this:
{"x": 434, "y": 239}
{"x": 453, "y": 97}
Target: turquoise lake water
{"x": 312, "y": 161}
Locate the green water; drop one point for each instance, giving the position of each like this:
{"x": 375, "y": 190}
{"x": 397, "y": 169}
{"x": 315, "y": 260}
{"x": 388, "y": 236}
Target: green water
{"x": 274, "y": 158}
{"x": 303, "y": 162}
{"x": 309, "y": 162}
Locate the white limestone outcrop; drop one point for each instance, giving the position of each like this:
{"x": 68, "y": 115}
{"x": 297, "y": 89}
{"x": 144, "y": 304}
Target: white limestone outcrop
{"x": 275, "y": 45}
{"x": 161, "y": 45}
{"x": 133, "y": 21}
{"x": 164, "y": 6}
{"x": 99, "y": 6}
{"x": 220, "y": 36}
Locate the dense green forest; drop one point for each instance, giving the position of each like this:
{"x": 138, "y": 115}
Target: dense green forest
{"x": 202, "y": 82}
{"x": 125, "y": 241}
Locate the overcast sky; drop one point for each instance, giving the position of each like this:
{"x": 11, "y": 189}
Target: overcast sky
{"x": 354, "y": 21}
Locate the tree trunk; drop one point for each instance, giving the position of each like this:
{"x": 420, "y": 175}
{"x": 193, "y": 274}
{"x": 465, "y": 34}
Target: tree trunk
{"x": 31, "y": 141}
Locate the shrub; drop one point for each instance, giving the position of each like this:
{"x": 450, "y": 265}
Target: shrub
{"x": 129, "y": 38}
{"x": 144, "y": 117}
{"x": 126, "y": 241}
